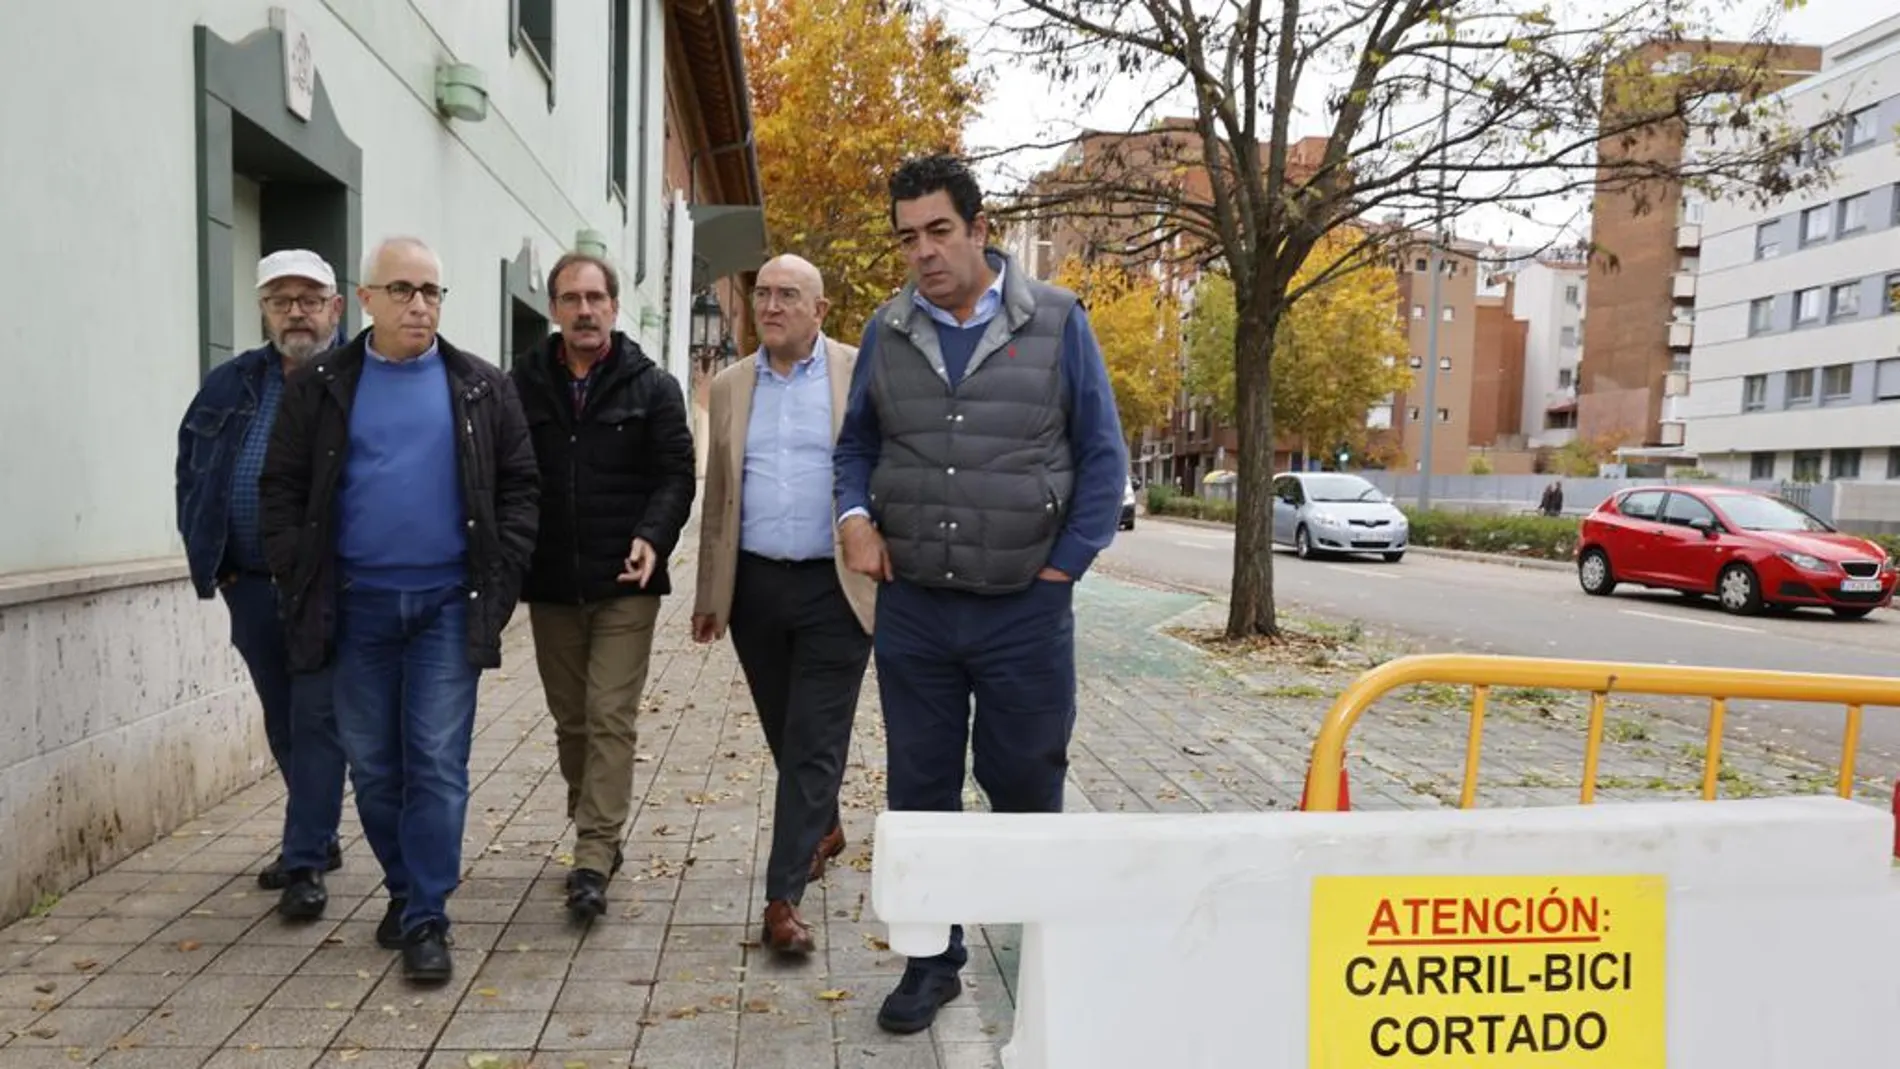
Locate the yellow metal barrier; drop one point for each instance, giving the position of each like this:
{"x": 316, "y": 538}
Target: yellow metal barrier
{"x": 1599, "y": 680}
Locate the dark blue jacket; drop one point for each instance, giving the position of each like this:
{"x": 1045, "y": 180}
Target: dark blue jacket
{"x": 209, "y": 439}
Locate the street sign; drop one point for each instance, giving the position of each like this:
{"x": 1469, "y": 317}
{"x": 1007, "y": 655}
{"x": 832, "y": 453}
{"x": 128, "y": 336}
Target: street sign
{"x": 1483, "y": 971}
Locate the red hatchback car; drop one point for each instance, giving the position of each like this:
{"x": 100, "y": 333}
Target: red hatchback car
{"x": 1751, "y": 551}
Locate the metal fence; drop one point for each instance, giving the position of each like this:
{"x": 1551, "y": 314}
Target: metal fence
{"x": 1521, "y": 493}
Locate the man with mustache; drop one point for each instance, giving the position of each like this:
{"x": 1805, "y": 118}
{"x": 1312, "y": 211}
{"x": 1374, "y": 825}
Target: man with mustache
{"x": 617, "y": 475}
{"x": 221, "y": 447}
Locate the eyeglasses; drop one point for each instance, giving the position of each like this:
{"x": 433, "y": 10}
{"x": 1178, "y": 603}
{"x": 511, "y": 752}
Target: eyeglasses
{"x": 575, "y": 298}
{"x": 404, "y": 292}
{"x": 308, "y": 303}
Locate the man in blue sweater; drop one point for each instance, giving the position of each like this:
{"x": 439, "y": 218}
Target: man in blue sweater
{"x": 399, "y": 503}
{"x": 978, "y": 473}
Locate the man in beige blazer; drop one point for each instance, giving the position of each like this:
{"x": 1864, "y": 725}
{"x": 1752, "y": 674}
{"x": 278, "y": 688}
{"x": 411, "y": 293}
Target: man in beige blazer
{"x": 770, "y": 569}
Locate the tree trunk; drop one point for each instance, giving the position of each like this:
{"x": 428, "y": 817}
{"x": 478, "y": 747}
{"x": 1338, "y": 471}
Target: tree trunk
{"x": 1251, "y": 611}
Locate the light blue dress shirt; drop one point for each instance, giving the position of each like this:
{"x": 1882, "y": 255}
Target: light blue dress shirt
{"x": 785, "y": 500}
{"x": 987, "y": 306}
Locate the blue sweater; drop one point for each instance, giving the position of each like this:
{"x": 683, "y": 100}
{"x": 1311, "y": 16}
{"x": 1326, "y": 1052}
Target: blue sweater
{"x": 401, "y": 516}
{"x": 1095, "y": 436}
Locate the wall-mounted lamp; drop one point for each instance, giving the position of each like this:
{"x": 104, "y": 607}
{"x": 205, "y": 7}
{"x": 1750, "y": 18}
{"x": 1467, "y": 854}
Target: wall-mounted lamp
{"x": 461, "y": 92}
{"x": 591, "y": 242}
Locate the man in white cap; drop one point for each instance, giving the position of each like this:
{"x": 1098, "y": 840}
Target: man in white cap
{"x": 221, "y": 446}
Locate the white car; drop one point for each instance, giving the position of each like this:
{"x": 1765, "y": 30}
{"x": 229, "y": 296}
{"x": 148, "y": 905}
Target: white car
{"x": 1322, "y": 512}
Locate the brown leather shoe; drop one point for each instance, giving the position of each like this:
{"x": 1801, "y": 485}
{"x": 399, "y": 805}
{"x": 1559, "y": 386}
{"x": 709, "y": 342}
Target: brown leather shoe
{"x": 828, "y": 847}
{"x": 785, "y": 930}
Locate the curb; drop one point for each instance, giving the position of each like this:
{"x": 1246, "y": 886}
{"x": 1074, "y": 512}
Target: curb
{"x": 1501, "y": 559}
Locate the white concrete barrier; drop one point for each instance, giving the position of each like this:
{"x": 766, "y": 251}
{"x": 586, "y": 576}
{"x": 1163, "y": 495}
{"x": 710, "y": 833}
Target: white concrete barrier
{"x": 1757, "y": 934}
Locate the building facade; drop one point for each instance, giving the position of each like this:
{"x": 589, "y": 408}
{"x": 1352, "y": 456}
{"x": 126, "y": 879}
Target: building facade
{"x": 1548, "y": 297}
{"x": 1795, "y": 370}
{"x": 1641, "y": 291}
{"x": 503, "y": 134}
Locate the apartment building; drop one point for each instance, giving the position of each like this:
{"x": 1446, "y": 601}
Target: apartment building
{"x": 1450, "y": 422}
{"x": 1548, "y": 296}
{"x": 1795, "y": 369}
{"x": 1640, "y": 297}
{"x": 161, "y": 148}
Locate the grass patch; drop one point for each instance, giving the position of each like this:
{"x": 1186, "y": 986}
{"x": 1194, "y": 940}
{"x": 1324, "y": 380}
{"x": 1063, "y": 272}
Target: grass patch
{"x": 44, "y": 906}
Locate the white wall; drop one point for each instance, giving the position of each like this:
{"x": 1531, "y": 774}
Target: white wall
{"x": 102, "y": 217}
{"x": 1538, "y": 301}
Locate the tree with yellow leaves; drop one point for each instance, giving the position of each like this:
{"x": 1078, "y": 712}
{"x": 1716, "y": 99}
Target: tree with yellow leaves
{"x": 1338, "y": 351}
{"x": 842, "y": 92}
{"x": 1137, "y": 322}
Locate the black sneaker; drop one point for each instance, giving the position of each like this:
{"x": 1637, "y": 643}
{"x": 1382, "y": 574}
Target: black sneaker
{"x": 389, "y": 932}
{"x": 586, "y": 895}
{"x": 272, "y": 877}
{"x": 425, "y": 955}
{"x": 304, "y": 897}
{"x": 919, "y": 995}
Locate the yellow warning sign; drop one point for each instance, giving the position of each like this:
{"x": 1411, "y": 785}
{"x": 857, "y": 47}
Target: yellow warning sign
{"x": 1560, "y": 972}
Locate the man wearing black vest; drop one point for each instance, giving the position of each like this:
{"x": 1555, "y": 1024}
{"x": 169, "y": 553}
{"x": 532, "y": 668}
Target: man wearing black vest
{"x": 978, "y": 472}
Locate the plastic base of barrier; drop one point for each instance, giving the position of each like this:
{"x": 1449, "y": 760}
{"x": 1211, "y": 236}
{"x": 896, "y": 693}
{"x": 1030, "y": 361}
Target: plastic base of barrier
{"x": 1345, "y": 798}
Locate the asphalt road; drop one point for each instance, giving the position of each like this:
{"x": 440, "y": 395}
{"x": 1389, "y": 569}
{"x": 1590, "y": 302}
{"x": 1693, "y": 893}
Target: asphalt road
{"x": 1476, "y": 607}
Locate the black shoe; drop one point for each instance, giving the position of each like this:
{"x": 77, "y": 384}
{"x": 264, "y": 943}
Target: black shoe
{"x": 304, "y": 898}
{"x": 389, "y": 932}
{"x": 425, "y": 955}
{"x": 272, "y": 877}
{"x": 919, "y": 995}
{"x": 586, "y": 895}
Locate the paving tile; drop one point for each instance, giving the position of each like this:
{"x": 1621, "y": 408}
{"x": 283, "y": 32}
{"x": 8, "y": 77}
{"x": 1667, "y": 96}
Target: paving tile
{"x": 190, "y": 1026}
{"x": 508, "y": 1030}
{"x": 127, "y": 991}
{"x": 75, "y": 1027}
{"x": 156, "y": 1058}
{"x": 296, "y": 1028}
{"x": 394, "y": 1029}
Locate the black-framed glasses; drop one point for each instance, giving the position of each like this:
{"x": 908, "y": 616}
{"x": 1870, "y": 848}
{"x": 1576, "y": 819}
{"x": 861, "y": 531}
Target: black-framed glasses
{"x": 309, "y": 304}
{"x": 573, "y": 299}
{"x": 404, "y": 292}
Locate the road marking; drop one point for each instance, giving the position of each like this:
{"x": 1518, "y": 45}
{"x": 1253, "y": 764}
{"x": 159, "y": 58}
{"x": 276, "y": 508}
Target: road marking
{"x": 1198, "y": 545}
{"x": 1694, "y": 623}
{"x": 1366, "y": 571}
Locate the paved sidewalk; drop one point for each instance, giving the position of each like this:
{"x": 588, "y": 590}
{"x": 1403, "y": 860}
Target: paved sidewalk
{"x": 175, "y": 959}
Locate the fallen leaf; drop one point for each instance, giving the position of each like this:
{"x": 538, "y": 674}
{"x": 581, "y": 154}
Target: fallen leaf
{"x": 46, "y": 987}
{"x": 1195, "y": 751}
{"x": 684, "y": 1013}
{"x": 42, "y": 1033}
{"x": 722, "y": 1002}
{"x": 759, "y": 1005}
{"x": 575, "y": 1064}
{"x": 834, "y": 995}
{"x": 363, "y": 974}
{"x": 253, "y": 1048}
{"x": 189, "y": 945}
{"x": 333, "y": 1005}
{"x": 874, "y": 943}
{"x": 86, "y": 964}
{"x": 349, "y": 1055}
{"x": 566, "y": 860}
{"x": 484, "y": 1061}
{"x": 488, "y": 992}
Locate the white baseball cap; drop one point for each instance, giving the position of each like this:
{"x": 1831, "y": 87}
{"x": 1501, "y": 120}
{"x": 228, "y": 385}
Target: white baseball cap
{"x": 294, "y": 263}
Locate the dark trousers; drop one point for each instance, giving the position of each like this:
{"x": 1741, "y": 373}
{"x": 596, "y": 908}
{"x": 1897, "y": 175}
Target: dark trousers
{"x": 804, "y": 656}
{"x": 299, "y": 722}
{"x": 405, "y": 704}
{"x": 1014, "y": 654}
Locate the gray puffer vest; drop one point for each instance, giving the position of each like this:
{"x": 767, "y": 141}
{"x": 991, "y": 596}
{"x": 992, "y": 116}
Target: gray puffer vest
{"x": 973, "y": 483}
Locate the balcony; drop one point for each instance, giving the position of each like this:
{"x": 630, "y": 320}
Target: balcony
{"x": 1681, "y": 335}
{"x": 1669, "y": 432}
{"x": 1676, "y": 384}
{"x": 1688, "y": 237}
{"x": 1682, "y": 286}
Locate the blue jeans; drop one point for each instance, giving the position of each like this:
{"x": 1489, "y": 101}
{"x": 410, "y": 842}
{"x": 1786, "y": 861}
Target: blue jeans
{"x": 299, "y": 722}
{"x": 405, "y": 705}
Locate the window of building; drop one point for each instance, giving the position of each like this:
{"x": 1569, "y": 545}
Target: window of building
{"x": 1801, "y": 387}
{"x": 1445, "y": 313}
{"x": 1837, "y": 382}
{"x": 1444, "y": 415}
{"x": 1417, "y": 361}
{"x": 1412, "y": 413}
{"x": 619, "y": 40}
{"x": 1861, "y": 128}
{"x": 1893, "y": 462}
{"x": 1893, "y": 284}
{"x": 1754, "y": 393}
{"x": 1568, "y": 337}
{"x": 1807, "y": 305}
{"x": 1843, "y": 300}
{"x": 1418, "y": 311}
{"x": 1843, "y": 463}
{"x": 1807, "y": 465}
{"x": 1444, "y": 363}
{"x": 1561, "y": 421}
{"x": 1565, "y": 378}
{"x": 1761, "y": 315}
{"x": 533, "y": 28}
{"x": 1761, "y": 467}
{"x": 1573, "y": 296}
{"x": 1768, "y": 240}
{"x": 1421, "y": 265}
{"x": 1853, "y": 212}
{"x": 1814, "y": 223}
{"x": 1887, "y": 380}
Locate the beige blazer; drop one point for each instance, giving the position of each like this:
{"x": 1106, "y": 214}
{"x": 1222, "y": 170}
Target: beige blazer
{"x": 729, "y": 410}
